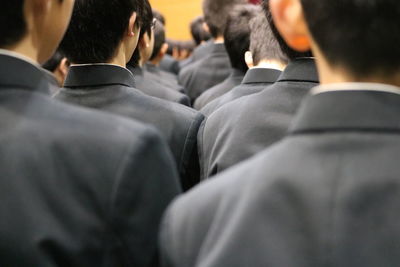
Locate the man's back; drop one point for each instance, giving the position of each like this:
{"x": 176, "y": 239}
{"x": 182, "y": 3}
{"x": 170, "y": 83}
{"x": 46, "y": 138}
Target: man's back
{"x": 326, "y": 195}
{"x": 205, "y": 73}
{"x": 74, "y": 181}
{"x": 249, "y": 124}
{"x": 110, "y": 88}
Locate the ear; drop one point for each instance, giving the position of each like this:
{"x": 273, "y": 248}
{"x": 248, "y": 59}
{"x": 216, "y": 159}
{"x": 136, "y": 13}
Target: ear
{"x": 205, "y": 27}
{"x": 132, "y": 29}
{"x": 64, "y": 67}
{"x": 289, "y": 19}
{"x": 248, "y": 57}
{"x": 164, "y": 49}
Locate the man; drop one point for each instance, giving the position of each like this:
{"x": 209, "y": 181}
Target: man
{"x": 248, "y": 125}
{"x": 98, "y": 78}
{"x": 141, "y": 55}
{"x": 152, "y": 70}
{"x": 78, "y": 187}
{"x": 328, "y": 194}
{"x": 237, "y": 43}
{"x": 215, "y": 66}
{"x": 265, "y": 60}
{"x": 58, "y": 65}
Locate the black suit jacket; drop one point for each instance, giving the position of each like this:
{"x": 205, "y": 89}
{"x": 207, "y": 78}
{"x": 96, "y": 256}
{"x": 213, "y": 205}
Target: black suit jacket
{"x": 78, "y": 187}
{"x": 168, "y": 80}
{"x": 110, "y": 88}
{"x": 246, "y": 126}
{"x": 170, "y": 64}
{"x": 198, "y": 53}
{"x": 213, "y": 69}
{"x": 234, "y": 79}
{"x": 255, "y": 80}
{"x": 151, "y": 87}
{"x": 326, "y": 195}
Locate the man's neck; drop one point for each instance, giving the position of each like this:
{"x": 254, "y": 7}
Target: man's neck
{"x": 219, "y": 40}
{"x": 270, "y": 64}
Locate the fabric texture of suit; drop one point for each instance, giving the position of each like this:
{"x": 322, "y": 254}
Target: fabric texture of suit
{"x": 211, "y": 70}
{"x": 167, "y": 79}
{"x": 170, "y": 64}
{"x": 78, "y": 187}
{"x": 151, "y": 87}
{"x": 328, "y": 194}
{"x": 110, "y": 88}
{"x": 246, "y": 126}
{"x": 255, "y": 80}
{"x": 234, "y": 79}
{"x": 198, "y": 53}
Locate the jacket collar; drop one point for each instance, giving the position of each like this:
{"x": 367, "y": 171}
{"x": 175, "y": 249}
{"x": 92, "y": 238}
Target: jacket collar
{"x": 93, "y": 75}
{"x": 261, "y": 75}
{"x": 300, "y": 69}
{"x": 217, "y": 49}
{"x": 368, "y": 110}
{"x": 16, "y": 72}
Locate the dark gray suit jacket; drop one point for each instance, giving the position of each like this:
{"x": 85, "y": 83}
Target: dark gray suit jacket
{"x": 78, "y": 187}
{"x": 151, "y": 87}
{"x": 170, "y": 64}
{"x": 111, "y": 88}
{"x": 168, "y": 80}
{"x": 234, "y": 79}
{"x": 326, "y": 195}
{"x": 211, "y": 70}
{"x": 246, "y": 126}
{"x": 254, "y": 81}
{"x": 198, "y": 53}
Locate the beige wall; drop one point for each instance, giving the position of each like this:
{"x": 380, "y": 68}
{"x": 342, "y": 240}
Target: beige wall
{"x": 178, "y": 13}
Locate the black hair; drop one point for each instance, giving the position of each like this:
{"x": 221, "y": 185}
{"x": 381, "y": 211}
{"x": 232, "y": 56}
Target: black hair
{"x": 263, "y": 44}
{"x": 289, "y": 52}
{"x": 159, "y": 39}
{"x": 97, "y": 27}
{"x": 12, "y": 22}
{"x": 237, "y": 34}
{"x": 198, "y": 32}
{"x": 360, "y": 35}
{"x": 216, "y": 14}
{"x": 147, "y": 19}
{"x": 159, "y": 16}
{"x": 55, "y": 61}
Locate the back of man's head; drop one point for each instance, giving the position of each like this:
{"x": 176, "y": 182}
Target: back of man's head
{"x": 287, "y": 51}
{"x": 263, "y": 44}
{"x": 216, "y": 14}
{"x": 237, "y": 34}
{"x": 97, "y": 28}
{"x": 12, "y": 22}
{"x": 159, "y": 39}
{"x": 359, "y": 35}
{"x": 159, "y": 16}
{"x": 198, "y": 31}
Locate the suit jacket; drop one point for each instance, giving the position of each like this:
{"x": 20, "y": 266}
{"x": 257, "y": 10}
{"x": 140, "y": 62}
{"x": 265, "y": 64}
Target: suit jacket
{"x": 170, "y": 64}
{"x": 213, "y": 69}
{"x": 234, "y": 79}
{"x": 78, "y": 187}
{"x": 110, "y": 88}
{"x": 326, "y": 195}
{"x": 151, "y": 87}
{"x": 255, "y": 80}
{"x": 246, "y": 126}
{"x": 198, "y": 53}
{"x": 162, "y": 77}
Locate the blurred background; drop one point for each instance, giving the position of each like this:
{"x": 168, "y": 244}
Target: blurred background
{"x": 179, "y": 14}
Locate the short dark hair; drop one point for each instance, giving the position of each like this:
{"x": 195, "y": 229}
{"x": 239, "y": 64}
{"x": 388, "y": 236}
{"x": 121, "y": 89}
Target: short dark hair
{"x": 159, "y": 39}
{"x": 360, "y": 35}
{"x": 159, "y": 16}
{"x": 216, "y": 13}
{"x": 147, "y": 19}
{"x": 12, "y": 22}
{"x": 263, "y": 44}
{"x": 52, "y": 64}
{"x": 289, "y": 52}
{"x": 198, "y": 32}
{"x": 97, "y": 27}
{"x": 237, "y": 34}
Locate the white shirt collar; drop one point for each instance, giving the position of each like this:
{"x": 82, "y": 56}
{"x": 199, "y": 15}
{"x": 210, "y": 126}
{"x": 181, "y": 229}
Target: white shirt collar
{"x": 379, "y": 87}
